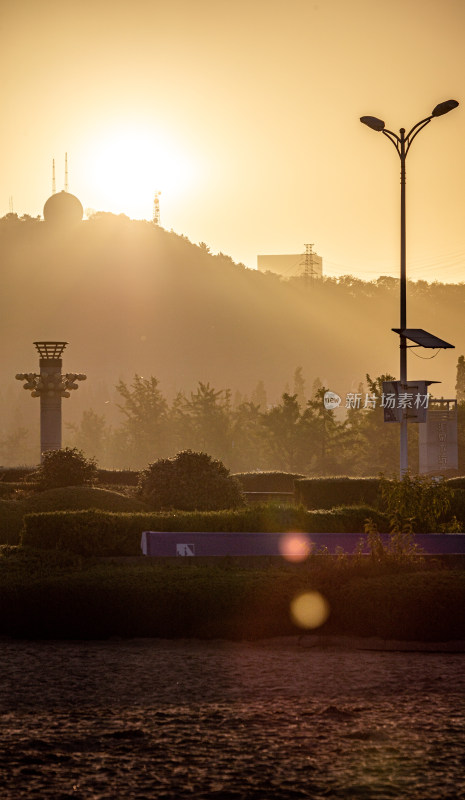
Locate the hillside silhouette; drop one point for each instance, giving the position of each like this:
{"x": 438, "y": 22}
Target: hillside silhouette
{"x": 132, "y": 298}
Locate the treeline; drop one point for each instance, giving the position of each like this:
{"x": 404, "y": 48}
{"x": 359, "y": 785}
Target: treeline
{"x": 154, "y": 303}
{"x": 294, "y": 435}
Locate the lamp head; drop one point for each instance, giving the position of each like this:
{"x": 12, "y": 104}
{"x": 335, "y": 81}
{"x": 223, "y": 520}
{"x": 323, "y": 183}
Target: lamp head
{"x": 444, "y": 108}
{"x": 374, "y": 123}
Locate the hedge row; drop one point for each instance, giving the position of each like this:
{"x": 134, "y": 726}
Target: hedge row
{"x": 12, "y": 512}
{"x": 331, "y": 492}
{"x": 100, "y": 533}
{"x": 271, "y": 481}
{"x": 189, "y": 600}
{"x": 14, "y": 474}
{"x": 117, "y": 477}
{"x": 11, "y": 520}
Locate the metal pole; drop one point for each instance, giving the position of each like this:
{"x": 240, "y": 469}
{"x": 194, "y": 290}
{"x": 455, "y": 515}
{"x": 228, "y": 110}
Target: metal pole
{"x": 403, "y": 307}
{"x": 402, "y": 144}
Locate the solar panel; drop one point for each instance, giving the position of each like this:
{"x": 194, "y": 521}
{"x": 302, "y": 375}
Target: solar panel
{"x": 422, "y": 338}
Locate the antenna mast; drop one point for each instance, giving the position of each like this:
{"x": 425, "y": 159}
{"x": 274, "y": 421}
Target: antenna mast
{"x": 66, "y": 172}
{"x": 156, "y": 209}
{"x": 10, "y": 203}
{"x": 54, "y": 185}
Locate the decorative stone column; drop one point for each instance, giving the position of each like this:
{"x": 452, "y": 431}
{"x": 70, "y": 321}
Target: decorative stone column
{"x": 51, "y": 386}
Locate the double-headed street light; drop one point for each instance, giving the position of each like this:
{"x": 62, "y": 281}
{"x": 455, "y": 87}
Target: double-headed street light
{"x": 402, "y": 144}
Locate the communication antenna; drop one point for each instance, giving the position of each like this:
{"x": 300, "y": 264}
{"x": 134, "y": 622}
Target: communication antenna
{"x": 10, "y": 203}
{"x": 66, "y": 172}
{"x": 54, "y": 185}
{"x": 156, "y": 209}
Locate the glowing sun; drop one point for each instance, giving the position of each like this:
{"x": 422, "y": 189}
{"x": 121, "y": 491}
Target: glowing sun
{"x": 128, "y": 164}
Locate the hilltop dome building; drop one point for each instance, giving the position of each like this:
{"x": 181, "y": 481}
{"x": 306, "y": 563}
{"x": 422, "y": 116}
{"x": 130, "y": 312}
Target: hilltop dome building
{"x": 63, "y": 209}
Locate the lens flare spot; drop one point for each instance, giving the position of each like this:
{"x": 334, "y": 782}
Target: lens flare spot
{"x": 309, "y": 610}
{"x": 295, "y": 546}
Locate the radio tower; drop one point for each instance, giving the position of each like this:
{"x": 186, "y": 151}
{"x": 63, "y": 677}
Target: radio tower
{"x": 66, "y": 172}
{"x": 156, "y": 208}
{"x": 54, "y": 185}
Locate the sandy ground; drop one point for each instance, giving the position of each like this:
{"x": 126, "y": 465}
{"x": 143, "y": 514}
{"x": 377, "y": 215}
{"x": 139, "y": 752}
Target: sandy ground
{"x": 189, "y": 719}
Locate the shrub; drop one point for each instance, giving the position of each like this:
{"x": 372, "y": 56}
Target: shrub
{"x": 189, "y": 481}
{"x": 417, "y": 502}
{"x": 67, "y": 467}
{"x": 331, "y": 492}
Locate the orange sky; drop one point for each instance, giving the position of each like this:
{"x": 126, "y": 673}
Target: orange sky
{"x": 245, "y": 115}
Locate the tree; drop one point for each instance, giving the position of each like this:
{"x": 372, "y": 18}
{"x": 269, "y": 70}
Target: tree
{"x": 326, "y": 436}
{"x": 248, "y": 442}
{"x": 189, "y": 481}
{"x": 283, "y": 434}
{"x": 91, "y": 435}
{"x": 145, "y": 410}
{"x": 299, "y": 386}
{"x": 203, "y": 422}
{"x": 259, "y": 397}
{"x": 66, "y": 467}
{"x": 13, "y": 444}
{"x": 376, "y": 442}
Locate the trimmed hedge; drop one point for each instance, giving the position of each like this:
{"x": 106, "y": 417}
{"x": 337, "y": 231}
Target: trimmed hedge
{"x": 80, "y": 498}
{"x": 456, "y": 483}
{"x": 11, "y": 520}
{"x": 100, "y": 533}
{"x": 14, "y": 474}
{"x": 272, "y": 481}
{"x": 331, "y": 492}
{"x": 12, "y": 512}
{"x": 117, "y": 477}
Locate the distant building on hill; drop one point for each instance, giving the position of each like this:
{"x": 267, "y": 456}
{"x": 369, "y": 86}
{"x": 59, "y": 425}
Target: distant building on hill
{"x": 307, "y": 264}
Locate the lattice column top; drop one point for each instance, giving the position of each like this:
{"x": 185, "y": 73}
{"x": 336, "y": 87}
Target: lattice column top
{"x": 50, "y": 350}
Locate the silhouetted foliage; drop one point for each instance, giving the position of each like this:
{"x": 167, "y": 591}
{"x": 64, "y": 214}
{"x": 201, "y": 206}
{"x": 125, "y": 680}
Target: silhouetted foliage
{"x": 189, "y": 481}
{"x": 66, "y": 467}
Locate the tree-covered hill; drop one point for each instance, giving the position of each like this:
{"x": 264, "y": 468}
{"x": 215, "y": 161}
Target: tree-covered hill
{"x": 132, "y": 298}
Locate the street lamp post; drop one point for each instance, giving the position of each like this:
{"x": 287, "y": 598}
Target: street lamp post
{"x": 402, "y": 144}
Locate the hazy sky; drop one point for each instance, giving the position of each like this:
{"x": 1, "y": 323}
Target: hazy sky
{"x": 245, "y": 115}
